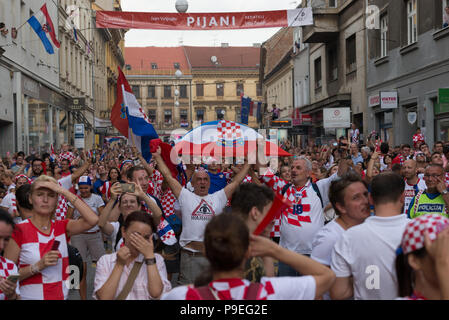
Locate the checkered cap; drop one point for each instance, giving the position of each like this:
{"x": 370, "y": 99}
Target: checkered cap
{"x": 413, "y": 237}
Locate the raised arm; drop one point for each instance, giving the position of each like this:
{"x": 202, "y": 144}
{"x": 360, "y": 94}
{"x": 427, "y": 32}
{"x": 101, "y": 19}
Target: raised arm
{"x": 149, "y": 169}
{"x": 78, "y": 173}
{"x": 156, "y": 211}
{"x": 324, "y": 277}
{"x": 230, "y": 188}
{"x": 103, "y": 221}
{"x": 174, "y": 185}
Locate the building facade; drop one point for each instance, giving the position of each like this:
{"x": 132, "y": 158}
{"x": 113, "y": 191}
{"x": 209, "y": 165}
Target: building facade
{"x": 277, "y": 74}
{"x": 161, "y": 80}
{"x": 108, "y": 48}
{"x": 408, "y": 44}
{"x": 33, "y": 108}
{"x": 337, "y": 54}
{"x": 220, "y": 76}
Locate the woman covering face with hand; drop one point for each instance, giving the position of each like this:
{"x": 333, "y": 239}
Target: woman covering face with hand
{"x": 136, "y": 259}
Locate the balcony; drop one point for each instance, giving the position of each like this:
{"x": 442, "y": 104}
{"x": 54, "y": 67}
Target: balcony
{"x": 325, "y": 26}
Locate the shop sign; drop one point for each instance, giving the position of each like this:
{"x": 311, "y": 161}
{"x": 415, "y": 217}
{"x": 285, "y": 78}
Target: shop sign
{"x": 337, "y": 117}
{"x": 79, "y": 136}
{"x": 389, "y": 100}
{"x": 373, "y": 100}
{"x": 78, "y": 104}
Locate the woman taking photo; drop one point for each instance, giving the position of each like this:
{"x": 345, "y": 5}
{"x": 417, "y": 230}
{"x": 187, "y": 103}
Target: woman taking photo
{"x": 422, "y": 262}
{"x": 113, "y": 216}
{"x": 135, "y": 272}
{"x": 39, "y": 244}
{"x": 228, "y": 244}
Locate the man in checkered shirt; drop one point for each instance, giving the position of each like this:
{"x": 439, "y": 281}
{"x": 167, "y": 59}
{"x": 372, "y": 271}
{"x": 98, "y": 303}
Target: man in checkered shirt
{"x": 363, "y": 259}
{"x": 301, "y": 222}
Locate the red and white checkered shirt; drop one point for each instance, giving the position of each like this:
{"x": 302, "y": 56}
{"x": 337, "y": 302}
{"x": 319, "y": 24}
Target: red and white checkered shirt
{"x": 7, "y": 268}
{"x": 156, "y": 180}
{"x": 50, "y": 283}
{"x": 279, "y": 288}
{"x": 63, "y": 205}
{"x": 168, "y": 202}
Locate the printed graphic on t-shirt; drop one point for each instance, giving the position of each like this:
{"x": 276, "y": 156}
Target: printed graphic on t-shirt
{"x": 204, "y": 211}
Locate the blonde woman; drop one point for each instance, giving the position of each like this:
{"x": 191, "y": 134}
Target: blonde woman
{"x": 39, "y": 244}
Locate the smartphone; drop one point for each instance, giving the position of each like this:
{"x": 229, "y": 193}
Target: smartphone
{"x": 128, "y": 187}
{"x": 13, "y": 278}
{"x": 55, "y": 245}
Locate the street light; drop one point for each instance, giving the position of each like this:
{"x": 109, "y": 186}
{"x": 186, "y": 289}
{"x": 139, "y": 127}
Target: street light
{"x": 181, "y": 6}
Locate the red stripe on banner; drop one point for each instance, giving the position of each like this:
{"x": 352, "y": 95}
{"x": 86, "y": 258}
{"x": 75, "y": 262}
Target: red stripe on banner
{"x": 191, "y": 21}
{"x": 279, "y": 204}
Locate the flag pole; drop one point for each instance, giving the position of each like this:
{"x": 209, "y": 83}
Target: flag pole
{"x": 130, "y": 132}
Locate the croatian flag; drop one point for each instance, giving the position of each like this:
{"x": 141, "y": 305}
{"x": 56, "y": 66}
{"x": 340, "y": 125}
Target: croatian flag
{"x": 42, "y": 24}
{"x": 130, "y": 119}
{"x": 52, "y": 153}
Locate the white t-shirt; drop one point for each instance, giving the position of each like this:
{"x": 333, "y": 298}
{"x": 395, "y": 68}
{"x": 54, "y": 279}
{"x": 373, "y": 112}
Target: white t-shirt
{"x": 410, "y": 192}
{"x": 9, "y": 202}
{"x": 324, "y": 242}
{"x": 367, "y": 252}
{"x": 94, "y": 202}
{"x": 197, "y": 212}
{"x": 281, "y": 288}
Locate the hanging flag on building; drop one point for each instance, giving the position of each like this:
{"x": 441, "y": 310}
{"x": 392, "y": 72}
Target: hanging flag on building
{"x": 43, "y": 25}
{"x": 246, "y": 103}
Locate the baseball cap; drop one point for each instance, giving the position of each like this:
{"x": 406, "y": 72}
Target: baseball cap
{"x": 124, "y": 162}
{"x": 413, "y": 237}
{"x": 85, "y": 180}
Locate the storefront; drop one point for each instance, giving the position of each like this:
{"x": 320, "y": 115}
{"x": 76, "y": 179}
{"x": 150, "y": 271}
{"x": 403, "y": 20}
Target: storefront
{"x": 46, "y": 119}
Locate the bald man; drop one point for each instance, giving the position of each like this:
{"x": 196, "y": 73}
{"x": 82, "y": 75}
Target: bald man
{"x": 197, "y": 208}
{"x": 413, "y": 184}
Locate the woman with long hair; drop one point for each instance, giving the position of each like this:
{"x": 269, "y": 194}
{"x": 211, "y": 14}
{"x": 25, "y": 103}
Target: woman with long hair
{"x": 39, "y": 244}
{"x": 422, "y": 262}
{"x": 228, "y": 245}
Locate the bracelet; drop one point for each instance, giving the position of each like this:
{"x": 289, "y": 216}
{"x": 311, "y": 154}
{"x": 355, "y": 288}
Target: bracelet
{"x": 35, "y": 269}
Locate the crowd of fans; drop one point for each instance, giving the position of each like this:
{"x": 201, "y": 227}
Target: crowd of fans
{"x": 364, "y": 220}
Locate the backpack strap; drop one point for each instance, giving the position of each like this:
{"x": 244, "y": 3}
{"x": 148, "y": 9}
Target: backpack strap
{"x": 205, "y": 293}
{"x": 318, "y": 193}
{"x": 252, "y": 293}
{"x": 285, "y": 188}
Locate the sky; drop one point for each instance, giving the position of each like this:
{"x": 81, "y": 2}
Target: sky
{"x": 165, "y": 38}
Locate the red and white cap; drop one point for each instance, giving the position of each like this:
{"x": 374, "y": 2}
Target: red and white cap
{"x": 413, "y": 237}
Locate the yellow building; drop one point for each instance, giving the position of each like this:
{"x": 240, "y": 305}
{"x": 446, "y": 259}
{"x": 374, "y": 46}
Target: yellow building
{"x": 220, "y": 76}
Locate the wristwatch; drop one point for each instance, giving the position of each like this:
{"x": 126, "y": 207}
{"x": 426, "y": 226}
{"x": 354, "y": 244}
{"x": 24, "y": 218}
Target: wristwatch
{"x": 150, "y": 262}
{"x": 445, "y": 192}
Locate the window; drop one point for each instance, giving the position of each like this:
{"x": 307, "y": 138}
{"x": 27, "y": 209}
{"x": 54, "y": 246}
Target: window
{"x": 332, "y": 63}
{"x": 184, "y": 122}
{"x": 152, "y": 115}
{"x": 136, "y": 91}
{"x": 220, "y": 113}
{"x": 383, "y": 35}
{"x": 412, "y": 23}
{"x": 199, "y": 90}
{"x": 183, "y": 91}
{"x": 239, "y": 89}
{"x": 258, "y": 89}
{"x": 200, "y": 115}
{"x": 151, "y": 92}
{"x": 176, "y": 65}
{"x": 445, "y": 13}
{"x": 167, "y": 116}
{"x": 220, "y": 89}
{"x": 351, "y": 58}
{"x": 153, "y": 65}
{"x": 167, "y": 92}
{"x": 332, "y": 3}
{"x": 238, "y": 114}
{"x": 318, "y": 73}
